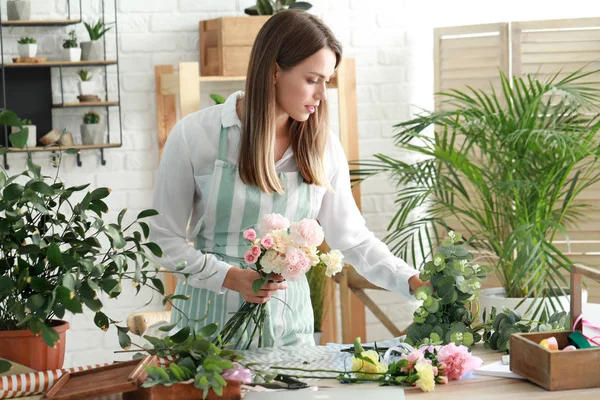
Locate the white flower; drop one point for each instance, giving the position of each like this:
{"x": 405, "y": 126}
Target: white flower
{"x": 333, "y": 262}
{"x": 312, "y": 255}
{"x": 452, "y": 235}
{"x": 463, "y": 263}
{"x": 272, "y": 262}
{"x": 476, "y": 268}
{"x": 281, "y": 240}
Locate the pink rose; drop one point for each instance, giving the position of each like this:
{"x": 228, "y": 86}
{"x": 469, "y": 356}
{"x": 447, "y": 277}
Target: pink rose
{"x": 414, "y": 357}
{"x": 250, "y": 258}
{"x": 307, "y": 233}
{"x": 255, "y": 251}
{"x": 250, "y": 235}
{"x": 296, "y": 264}
{"x": 457, "y": 361}
{"x": 266, "y": 242}
{"x": 273, "y": 222}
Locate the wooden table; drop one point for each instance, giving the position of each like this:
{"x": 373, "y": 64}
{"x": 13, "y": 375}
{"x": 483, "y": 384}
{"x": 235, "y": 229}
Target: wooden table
{"x": 482, "y": 387}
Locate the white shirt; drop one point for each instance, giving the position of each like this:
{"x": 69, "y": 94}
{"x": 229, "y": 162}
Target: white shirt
{"x": 183, "y": 183}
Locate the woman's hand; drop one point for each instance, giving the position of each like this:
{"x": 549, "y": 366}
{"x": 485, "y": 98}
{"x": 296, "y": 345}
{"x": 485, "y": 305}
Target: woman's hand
{"x": 241, "y": 281}
{"x": 415, "y": 282}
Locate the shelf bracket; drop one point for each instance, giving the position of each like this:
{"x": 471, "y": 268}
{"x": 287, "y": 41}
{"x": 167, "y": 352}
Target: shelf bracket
{"x": 79, "y": 160}
{"x": 6, "y": 167}
{"x": 54, "y": 162}
{"x": 102, "y": 160}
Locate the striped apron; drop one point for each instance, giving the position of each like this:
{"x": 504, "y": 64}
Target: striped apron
{"x": 232, "y": 207}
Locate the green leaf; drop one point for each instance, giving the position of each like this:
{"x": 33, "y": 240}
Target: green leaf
{"x": 13, "y": 192}
{"x": 147, "y": 213}
{"x": 181, "y": 335}
{"x": 120, "y": 217}
{"x": 100, "y": 193}
{"x": 50, "y": 336}
{"x": 154, "y": 248}
{"x": 43, "y": 188}
{"x": 6, "y": 285}
{"x": 124, "y": 340}
{"x": 19, "y": 138}
{"x": 208, "y": 330}
{"x": 301, "y": 5}
{"x": 35, "y": 302}
{"x": 423, "y": 292}
{"x": 9, "y": 118}
{"x": 159, "y": 285}
{"x": 101, "y": 321}
{"x": 115, "y": 236}
{"x": 166, "y": 328}
{"x": 72, "y": 151}
{"x": 145, "y": 229}
{"x": 5, "y": 366}
{"x": 54, "y": 255}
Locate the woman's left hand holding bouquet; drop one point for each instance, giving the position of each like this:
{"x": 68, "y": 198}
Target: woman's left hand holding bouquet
{"x": 241, "y": 280}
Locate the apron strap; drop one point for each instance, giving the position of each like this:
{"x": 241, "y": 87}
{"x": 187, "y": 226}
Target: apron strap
{"x": 222, "y": 145}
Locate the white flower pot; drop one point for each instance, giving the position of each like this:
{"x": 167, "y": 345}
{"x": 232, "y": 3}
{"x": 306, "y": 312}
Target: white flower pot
{"x": 31, "y": 136}
{"x": 27, "y": 50}
{"x": 18, "y": 10}
{"x": 92, "y": 134}
{"x": 86, "y": 87}
{"x": 72, "y": 54}
{"x": 317, "y": 336}
{"x": 496, "y": 297}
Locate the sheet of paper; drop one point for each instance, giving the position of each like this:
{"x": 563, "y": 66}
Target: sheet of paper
{"x": 497, "y": 369}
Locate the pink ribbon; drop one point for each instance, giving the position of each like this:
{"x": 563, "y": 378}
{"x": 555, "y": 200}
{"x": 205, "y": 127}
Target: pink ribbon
{"x": 585, "y": 322}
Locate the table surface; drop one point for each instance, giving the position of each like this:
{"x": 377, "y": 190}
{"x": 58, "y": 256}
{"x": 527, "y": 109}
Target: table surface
{"x": 481, "y": 387}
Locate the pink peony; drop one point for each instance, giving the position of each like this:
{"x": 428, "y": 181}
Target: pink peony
{"x": 250, "y": 235}
{"x": 266, "y": 242}
{"x": 250, "y": 258}
{"x": 296, "y": 264}
{"x": 457, "y": 361}
{"x": 273, "y": 222}
{"x": 255, "y": 251}
{"x": 307, "y": 233}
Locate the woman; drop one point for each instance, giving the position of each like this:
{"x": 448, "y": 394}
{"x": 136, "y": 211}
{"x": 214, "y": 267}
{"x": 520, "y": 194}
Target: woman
{"x": 264, "y": 151}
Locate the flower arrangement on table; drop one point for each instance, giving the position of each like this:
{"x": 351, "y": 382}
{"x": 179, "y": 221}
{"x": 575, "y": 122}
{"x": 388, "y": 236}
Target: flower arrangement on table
{"x": 422, "y": 367}
{"x": 284, "y": 248}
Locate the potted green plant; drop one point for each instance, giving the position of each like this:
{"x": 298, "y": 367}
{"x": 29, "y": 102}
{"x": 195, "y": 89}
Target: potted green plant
{"x": 86, "y": 85}
{"x": 506, "y": 170}
{"x": 27, "y": 47}
{"x": 92, "y": 50}
{"x": 18, "y": 10}
{"x": 317, "y": 282}
{"x": 52, "y": 260}
{"x": 92, "y": 131}
{"x": 270, "y": 7}
{"x": 31, "y": 131}
{"x": 70, "y": 48}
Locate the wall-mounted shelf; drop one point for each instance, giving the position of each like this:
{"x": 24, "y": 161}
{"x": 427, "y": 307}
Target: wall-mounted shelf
{"x": 63, "y": 64}
{"x": 49, "y": 22}
{"x": 27, "y": 88}
{"x": 87, "y": 104}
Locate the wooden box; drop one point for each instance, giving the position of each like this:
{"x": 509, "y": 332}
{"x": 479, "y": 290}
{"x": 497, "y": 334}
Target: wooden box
{"x": 225, "y": 44}
{"x": 182, "y": 391}
{"x": 558, "y": 370}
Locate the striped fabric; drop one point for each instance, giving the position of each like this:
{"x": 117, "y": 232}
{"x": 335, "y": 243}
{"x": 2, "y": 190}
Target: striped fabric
{"x": 232, "y": 207}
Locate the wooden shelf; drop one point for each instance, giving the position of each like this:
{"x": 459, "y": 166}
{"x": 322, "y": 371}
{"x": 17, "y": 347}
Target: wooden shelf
{"x": 87, "y": 104}
{"x": 222, "y": 78}
{"x": 61, "y": 64}
{"x": 57, "y": 148}
{"x": 48, "y": 22}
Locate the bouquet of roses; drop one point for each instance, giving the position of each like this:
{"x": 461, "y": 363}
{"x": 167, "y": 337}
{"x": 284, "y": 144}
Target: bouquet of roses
{"x": 279, "y": 247}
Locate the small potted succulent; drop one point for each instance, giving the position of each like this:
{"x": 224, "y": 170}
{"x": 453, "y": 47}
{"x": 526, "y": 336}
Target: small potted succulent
{"x": 70, "y": 48}
{"x": 31, "y": 131}
{"x": 27, "y": 47}
{"x": 92, "y": 50}
{"x": 92, "y": 131}
{"x": 86, "y": 86}
{"x": 18, "y": 10}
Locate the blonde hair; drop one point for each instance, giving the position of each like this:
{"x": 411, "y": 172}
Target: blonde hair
{"x": 286, "y": 39}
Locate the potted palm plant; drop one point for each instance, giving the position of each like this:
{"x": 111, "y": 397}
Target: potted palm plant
{"x": 52, "y": 260}
{"x": 92, "y": 50}
{"x": 506, "y": 170}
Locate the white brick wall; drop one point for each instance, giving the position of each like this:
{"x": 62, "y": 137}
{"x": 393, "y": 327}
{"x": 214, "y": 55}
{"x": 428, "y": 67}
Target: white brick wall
{"x": 390, "y": 39}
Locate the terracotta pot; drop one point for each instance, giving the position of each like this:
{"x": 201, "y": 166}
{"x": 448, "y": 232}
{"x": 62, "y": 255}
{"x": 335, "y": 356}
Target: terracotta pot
{"x": 25, "y": 348}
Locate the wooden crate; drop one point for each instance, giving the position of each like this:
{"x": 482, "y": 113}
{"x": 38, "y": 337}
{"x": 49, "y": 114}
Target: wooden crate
{"x": 182, "y": 391}
{"x": 225, "y": 44}
{"x": 558, "y": 370}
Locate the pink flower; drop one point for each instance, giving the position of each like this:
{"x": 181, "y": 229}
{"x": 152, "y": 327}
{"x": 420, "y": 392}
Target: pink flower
{"x": 307, "y": 233}
{"x": 250, "y": 258}
{"x": 266, "y": 242}
{"x": 250, "y": 235}
{"x": 296, "y": 264}
{"x": 435, "y": 371}
{"x": 442, "y": 379}
{"x": 237, "y": 374}
{"x": 255, "y": 251}
{"x": 457, "y": 361}
{"x": 414, "y": 357}
{"x": 273, "y": 222}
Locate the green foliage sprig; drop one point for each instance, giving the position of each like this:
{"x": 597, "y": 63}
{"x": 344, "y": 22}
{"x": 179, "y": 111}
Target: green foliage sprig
{"x": 27, "y": 40}
{"x": 71, "y": 42}
{"x": 84, "y": 75}
{"x": 270, "y": 7}
{"x": 97, "y": 30}
{"x": 445, "y": 315}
